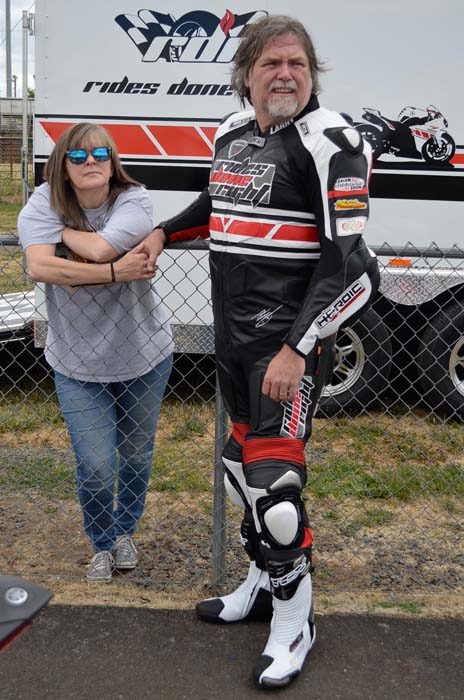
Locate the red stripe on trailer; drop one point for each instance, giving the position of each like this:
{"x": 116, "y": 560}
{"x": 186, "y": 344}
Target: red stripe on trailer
{"x": 55, "y": 129}
{"x": 131, "y": 139}
{"x": 209, "y": 132}
{"x": 181, "y": 141}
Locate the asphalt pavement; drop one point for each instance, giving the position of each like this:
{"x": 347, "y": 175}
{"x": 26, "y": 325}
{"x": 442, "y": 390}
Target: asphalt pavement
{"x": 108, "y": 653}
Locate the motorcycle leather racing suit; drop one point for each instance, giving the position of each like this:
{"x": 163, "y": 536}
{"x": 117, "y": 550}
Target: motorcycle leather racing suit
{"x": 285, "y": 211}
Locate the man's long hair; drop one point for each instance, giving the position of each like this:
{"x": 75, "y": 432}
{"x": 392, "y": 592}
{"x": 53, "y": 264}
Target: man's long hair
{"x": 253, "y": 41}
{"x": 62, "y": 196}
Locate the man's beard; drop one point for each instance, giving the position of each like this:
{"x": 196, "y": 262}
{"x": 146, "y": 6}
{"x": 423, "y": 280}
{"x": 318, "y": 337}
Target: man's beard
{"x": 281, "y": 105}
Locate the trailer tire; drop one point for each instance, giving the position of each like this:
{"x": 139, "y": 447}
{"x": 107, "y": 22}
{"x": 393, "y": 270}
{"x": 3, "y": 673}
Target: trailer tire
{"x": 362, "y": 367}
{"x": 441, "y": 362}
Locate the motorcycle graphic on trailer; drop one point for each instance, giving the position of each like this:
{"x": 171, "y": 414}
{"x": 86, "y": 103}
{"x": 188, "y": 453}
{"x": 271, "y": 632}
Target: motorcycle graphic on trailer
{"x": 420, "y": 134}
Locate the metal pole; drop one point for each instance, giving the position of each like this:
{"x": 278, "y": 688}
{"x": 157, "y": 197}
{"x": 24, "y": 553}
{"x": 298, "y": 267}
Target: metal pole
{"x": 8, "y": 46}
{"x": 24, "y": 148}
{"x": 219, "y": 514}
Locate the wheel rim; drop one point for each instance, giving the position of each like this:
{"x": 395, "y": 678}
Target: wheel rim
{"x": 456, "y": 366}
{"x": 350, "y": 359}
{"x": 371, "y": 137}
{"x": 437, "y": 151}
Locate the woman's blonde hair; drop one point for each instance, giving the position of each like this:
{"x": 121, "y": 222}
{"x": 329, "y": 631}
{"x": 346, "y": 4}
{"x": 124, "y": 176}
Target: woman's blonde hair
{"x": 63, "y": 199}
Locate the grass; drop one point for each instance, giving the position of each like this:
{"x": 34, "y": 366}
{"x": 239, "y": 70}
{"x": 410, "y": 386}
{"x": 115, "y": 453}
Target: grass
{"x": 384, "y": 457}
{"x": 378, "y": 460}
{"x": 11, "y": 194}
{"x": 11, "y": 264}
{"x": 8, "y": 216}
{"x": 375, "y": 517}
{"x": 346, "y": 477}
{"x": 409, "y": 608}
{"x": 49, "y": 475}
{"x": 191, "y": 428}
{"x": 29, "y": 409}
{"x": 173, "y": 473}
{"x": 12, "y": 275}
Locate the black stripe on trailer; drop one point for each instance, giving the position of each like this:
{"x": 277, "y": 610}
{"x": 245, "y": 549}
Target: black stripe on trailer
{"x": 158, "y": 177}
{"x": 383, "y": 185}
{"x": 449, "y": 187}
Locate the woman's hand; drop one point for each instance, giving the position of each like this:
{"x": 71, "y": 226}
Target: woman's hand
{"x": 133, "y": 266}
{"x": 152, "y": 246}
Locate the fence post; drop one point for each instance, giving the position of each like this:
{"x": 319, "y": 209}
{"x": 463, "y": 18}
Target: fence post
{"x": 219, "y": 504}
{"x": 27, "y": 29}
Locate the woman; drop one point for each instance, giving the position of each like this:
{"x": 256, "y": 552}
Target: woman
{"x": 109, "y": 341}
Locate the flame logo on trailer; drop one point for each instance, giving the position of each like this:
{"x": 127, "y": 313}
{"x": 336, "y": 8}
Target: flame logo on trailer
{"x": 196, "y": 37}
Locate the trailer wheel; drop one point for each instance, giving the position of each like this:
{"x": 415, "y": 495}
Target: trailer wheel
{"x": 441, "y": 361}
{"x": 362, "y": 367}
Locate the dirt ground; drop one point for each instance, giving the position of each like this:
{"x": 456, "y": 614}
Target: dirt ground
{"x": 414, "y": 565}
{"x": 385, "y": 556}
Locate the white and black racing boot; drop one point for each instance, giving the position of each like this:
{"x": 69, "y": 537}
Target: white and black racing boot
{"x": 252, "y": 600}
{"x": 293, "y": 631}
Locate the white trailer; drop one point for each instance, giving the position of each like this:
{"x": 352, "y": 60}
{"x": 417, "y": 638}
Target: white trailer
{"x": 158, "y": 80}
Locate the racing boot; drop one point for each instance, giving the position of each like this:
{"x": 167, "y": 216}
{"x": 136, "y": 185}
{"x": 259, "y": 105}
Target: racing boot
{"x": 293, "y": 632}
{"x": 252, "y": 600}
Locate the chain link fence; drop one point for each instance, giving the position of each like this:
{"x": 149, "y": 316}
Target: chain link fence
{"x": 385, "y": 462}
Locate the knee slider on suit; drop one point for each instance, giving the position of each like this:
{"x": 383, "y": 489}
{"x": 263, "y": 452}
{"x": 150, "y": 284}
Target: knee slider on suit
{"x": 281, "y": 522}
{"x": 278, "y": 505}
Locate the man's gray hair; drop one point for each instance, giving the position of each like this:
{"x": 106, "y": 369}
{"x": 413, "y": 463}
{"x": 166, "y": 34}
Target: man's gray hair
{"x": 253, "y": 41}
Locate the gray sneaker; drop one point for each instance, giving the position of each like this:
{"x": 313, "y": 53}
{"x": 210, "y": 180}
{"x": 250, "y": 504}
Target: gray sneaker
{"x": 101, "y": 567}
{"x": 125, "y": 553}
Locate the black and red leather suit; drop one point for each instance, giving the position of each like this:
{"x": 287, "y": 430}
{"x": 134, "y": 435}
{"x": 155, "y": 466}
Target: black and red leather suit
{"x": 285, "y": 211}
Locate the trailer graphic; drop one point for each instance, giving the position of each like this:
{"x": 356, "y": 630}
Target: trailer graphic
{"x": 195, "y": 37}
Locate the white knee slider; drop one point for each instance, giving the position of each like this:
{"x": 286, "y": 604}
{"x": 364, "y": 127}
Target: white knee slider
{"x": 282, "y": 522}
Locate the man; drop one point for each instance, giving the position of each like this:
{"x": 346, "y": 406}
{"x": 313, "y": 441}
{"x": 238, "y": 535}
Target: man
{"x": 286, "y": 206}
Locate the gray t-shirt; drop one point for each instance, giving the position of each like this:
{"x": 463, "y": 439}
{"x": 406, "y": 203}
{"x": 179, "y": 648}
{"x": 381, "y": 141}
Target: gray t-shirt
{"x": 107, "y": 332}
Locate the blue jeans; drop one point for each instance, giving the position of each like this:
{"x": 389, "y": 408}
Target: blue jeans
{"x": 112, "y": 429}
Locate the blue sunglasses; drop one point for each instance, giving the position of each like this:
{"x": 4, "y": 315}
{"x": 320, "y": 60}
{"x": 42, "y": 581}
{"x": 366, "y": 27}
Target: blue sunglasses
{"x": 80, "y": 155}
